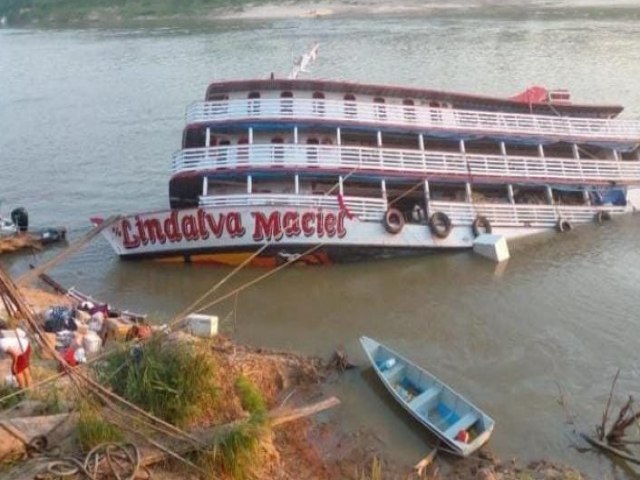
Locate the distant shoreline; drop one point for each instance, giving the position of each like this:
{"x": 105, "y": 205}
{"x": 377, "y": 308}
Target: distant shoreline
{"x": 77, "y": 14}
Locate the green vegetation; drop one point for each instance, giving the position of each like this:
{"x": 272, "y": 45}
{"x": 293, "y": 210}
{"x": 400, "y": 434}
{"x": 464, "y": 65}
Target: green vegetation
{"x": 237, "y": 452}
{"x": 175, "y": 383}
{"x": 93, "y": 430}
{"x": 11, "y": 401}
{"x": 108, "y": 12}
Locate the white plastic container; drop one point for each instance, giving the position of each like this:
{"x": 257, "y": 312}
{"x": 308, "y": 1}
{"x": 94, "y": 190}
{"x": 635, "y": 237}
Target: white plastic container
{"x": 91, "y": 343}
{"x": 202, "y": 325}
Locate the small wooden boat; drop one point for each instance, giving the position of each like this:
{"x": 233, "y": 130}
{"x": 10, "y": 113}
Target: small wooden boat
{"x": 462, "y": 426}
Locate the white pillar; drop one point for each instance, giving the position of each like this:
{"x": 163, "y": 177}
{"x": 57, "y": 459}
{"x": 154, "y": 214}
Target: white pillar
{"x": 379, "y": 138}
{"x": 549, "y": 195}
{"x": 341, "y": 185}
{"x": 576, "y": 151}
{"x": 427, "y": 198}
{"x": 295, "y": 135}
{"x": 586, "y": 197}
{"x": 207, "y": 138}
{"x": 297, "y": 183}
{"x": 512, "y": 200}
{"x": 383, "y": 185}
{"x": 421, "y": 142}
{"x": 467, "y": 190}
{"x": 250, "y": 135}
{"x": 338, "y": 137}
{"x": 616, "y": 155}
{"x": 463, "y": 149}
{"x": 205, "y": 186}
{"x": 503, "y": 149}
{"x": 540, "y": 150}
{"x": 249, "y": 184}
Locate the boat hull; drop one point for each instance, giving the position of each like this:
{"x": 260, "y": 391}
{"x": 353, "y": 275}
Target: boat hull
{"x": 229, "y": 235}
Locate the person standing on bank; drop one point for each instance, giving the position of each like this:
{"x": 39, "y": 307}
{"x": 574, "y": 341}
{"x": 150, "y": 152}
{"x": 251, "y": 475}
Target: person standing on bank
{"x": 16, "y": 344}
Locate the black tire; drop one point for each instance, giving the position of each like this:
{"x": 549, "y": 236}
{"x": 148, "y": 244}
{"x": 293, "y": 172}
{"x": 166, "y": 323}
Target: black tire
{"x": 602, "y": 216}
{"x": 564, "y": 226}
{"x": 440, "y": 224}
{"x": 393, "y": 221}
{"x": 481, "y": 224}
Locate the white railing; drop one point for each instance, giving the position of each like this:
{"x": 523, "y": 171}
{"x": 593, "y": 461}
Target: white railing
{"x": 366, "y": 209}
{"x": 508, "y": 215}
{"x": 426, "y": 163}
{"x": 461, "y": 214}
{"x": 471, "y": 121}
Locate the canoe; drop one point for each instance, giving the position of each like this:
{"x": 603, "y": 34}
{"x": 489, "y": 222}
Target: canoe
{"x": 459, "y": 424}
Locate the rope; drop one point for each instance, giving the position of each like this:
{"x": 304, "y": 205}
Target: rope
{"x": 106, "y": 460}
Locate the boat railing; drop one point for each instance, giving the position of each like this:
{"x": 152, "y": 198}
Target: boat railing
{"x": 365, "y": 209}
{"x": 341, "y": 112}
{"x": 461, "y": 213}
{"x": 519, "y": 168}
{"x": 517, "y": 215}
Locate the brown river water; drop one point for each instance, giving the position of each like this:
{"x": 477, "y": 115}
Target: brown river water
{"x": 89, "y": 118}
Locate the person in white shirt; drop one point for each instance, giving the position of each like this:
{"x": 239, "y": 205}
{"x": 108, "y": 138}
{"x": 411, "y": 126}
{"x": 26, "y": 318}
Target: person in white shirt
{"x": 16, "y": 344}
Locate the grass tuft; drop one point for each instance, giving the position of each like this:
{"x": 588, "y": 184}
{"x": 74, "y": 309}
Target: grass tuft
{"x": 93, "y": 430}
{"x": 173, "y": 383}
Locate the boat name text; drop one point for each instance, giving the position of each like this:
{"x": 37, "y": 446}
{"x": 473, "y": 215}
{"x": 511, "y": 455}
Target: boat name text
{"x": 140, "y": 231}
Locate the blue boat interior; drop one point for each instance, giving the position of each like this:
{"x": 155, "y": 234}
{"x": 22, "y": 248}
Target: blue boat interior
{"x": 429, "y": 399}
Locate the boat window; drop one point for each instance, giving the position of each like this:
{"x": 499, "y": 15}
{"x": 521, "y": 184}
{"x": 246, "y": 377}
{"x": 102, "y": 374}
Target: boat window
{"x": 220, "y": 104}
{"x": 286, "y": 103}
{"x": 409, "y": 110}
{"x": 350, "y": 108}
{"x": 379, "y": 108}
{"x": 254, "y": 103}
{"x": 312, "y": 149}
{"x": 194, "y": 138}
{"x": 436, "y": 116}
{"x": 278, "y": 149}
{"x": 318, "y": 103}
{"x": 243, "y": 151}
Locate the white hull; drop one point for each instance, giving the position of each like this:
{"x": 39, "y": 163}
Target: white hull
{"x": 292, "y": 230}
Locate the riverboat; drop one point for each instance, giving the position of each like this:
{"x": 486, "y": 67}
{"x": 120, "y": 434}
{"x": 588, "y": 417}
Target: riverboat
{"x": 323, "y": 171}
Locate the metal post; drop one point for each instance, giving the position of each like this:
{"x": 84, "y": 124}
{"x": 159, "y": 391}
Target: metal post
{"x": 549, "y": 195}
{"x": 427, "y": 198}
{"x": 383, "y": 185}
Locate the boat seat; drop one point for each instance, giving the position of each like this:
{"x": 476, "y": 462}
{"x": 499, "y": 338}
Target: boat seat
{"x": 462, "y": 424}
{"x": 423, "y": 398}
{"x": 393, "y": 372}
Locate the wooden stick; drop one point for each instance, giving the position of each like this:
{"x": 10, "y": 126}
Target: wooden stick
{"x": 607, "y": 448}
{"x": 75, "y": 246}
{"x": 281, "y": 416}
{"x": 422, "y": 465}
{"x": 605, "y": 414}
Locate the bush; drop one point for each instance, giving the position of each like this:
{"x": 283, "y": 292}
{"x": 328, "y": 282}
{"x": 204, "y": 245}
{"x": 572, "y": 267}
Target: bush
{"x": 173, "y": 383}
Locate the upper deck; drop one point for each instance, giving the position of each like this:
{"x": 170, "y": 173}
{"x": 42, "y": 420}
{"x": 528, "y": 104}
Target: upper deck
{"x": 446, "y": 122}
{"x": 532, "y": 100}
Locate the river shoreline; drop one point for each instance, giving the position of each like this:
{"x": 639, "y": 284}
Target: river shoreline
{"x": 306, "y": 448}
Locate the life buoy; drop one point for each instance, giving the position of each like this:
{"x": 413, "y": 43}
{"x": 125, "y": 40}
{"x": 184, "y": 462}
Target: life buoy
{"x": 440, "y": 224}
{"x": 564, "y": 225}
{"x": 481, "y": 225}
{"x": 602, "y": 216}
{"x": 393, "y": 220}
